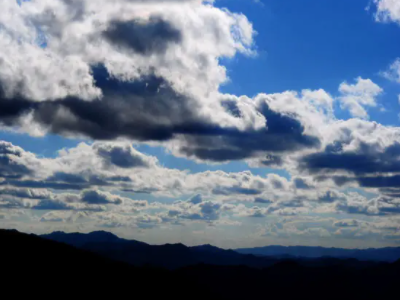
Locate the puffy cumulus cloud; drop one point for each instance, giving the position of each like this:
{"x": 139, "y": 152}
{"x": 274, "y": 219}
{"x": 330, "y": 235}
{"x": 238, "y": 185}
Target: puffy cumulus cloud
{"x": 86, "y": 33}
{"x": 355, "y": 97}
{"x": 123, "y": 155}
{"x": 387, "y": 10}
{"x": 147, "y": 71}
{"x": 359, "y": 205}
{"x": 15, "y": 162}
{"x": 357, "y": 152}
{"x": 92, "y": 166}
{"x": 290, "y": 125}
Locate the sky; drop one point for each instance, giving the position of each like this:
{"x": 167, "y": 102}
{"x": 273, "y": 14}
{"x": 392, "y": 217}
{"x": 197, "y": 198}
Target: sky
{"x": 236, "y": 123}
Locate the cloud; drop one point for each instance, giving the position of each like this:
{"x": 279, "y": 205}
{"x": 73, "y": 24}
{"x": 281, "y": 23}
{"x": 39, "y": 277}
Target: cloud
{"x": 196, "y": 199}
{"x": 387, "y": 10}
{"x": 53, "y": 217}
{"x": 358, "y": 96}
{"x": 12, "y": 161}
{"x": 123, "y": 155}
{"x": 393, "y": 72}
{"x": 331, "y": 196}
{"x": 235, "y": 190}
{"x": 25, "y": 193}
{"x": 363, "y": 152}
{"x": 125, "y": 80}
{"x": 145, "y": 38}
{"x": 262, "y": 200}
{"x": 98, "y": 197}
{"x": 346, "y": 223}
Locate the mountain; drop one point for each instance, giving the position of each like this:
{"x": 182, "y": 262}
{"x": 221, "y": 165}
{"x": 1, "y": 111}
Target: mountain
{"x": 80, "y": 239}
{"x": 174, "y": 256}
{"x": 382, "y": 254}
{"x": 37, "y": 267}
{"x": 171, "y": 256}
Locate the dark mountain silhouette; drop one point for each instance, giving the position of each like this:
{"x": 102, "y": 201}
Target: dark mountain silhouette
{"x": 36, "y": 267}
{"x": 33, "y": 266}
{"x": 382, "y": 254}
{"x": 171, "y": 256}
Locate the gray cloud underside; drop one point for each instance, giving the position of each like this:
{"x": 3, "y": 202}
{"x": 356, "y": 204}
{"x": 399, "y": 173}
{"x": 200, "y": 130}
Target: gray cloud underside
{"x": 150, "y": 110}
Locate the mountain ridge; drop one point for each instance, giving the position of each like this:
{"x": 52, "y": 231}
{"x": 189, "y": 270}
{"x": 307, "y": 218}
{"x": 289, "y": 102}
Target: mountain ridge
{"x": 178, "y": 255}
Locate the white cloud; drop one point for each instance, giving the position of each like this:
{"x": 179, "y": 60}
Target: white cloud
{"x": 393, "y": 72}
{"x": 388, "y": 10}
{"x": 356, "y": 97}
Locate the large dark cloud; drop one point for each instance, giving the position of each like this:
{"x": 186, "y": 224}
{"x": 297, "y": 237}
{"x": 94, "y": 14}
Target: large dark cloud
{"x": 368, "y": 166}
{"x": 146, "y": 38}
{"x": 365, "y": 160}
{"x": 283, "y": 134}
{"x": 149, "y": 109}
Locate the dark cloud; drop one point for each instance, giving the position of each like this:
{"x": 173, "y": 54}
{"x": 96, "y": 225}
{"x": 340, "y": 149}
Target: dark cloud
{"x": 330, "y": 196}
{"x": 121, "y": 156}
{"x": 44, "y": 184}
{"x": 386, "y": 184}
{"x": 146, "y": 38}
{"x": 301, "y": 184}
{"x": 68, "y": 178}
{"x": 365, "y": 160}
{"x": 272, "y": 161}
{"x": 235, "y": 190}
{"x": 262, "y": 201}
{"x": 210, "y": 210}
{"x": 379, "y": 181}
{"x": 24, "y": 193}
{"x": 9, "y": 167}
{"x": 96, "y": 197}
{"x": 149, "y": 109}
{"x": 49, "y": 204}
{"x": 283, "y": 134}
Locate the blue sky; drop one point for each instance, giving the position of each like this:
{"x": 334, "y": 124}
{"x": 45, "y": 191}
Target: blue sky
{"x": 168, "y": 121}
{"x": 316, "y": 44}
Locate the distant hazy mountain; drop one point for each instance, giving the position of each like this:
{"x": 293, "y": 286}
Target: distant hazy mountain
{"x": 382, "y": 254}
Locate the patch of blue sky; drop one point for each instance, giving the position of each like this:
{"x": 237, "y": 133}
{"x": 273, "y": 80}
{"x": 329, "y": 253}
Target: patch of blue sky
{"x": 312, "y": 44}
{"x": 46, "y": 146}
